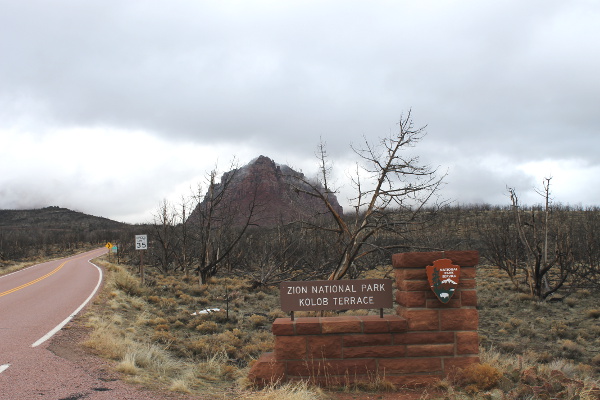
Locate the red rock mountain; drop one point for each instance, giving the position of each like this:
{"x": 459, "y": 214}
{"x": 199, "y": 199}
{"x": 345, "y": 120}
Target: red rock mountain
{"x": 274, "y": 190}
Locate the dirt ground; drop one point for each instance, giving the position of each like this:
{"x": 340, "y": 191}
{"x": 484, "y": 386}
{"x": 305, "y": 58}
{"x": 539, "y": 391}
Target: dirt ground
{"x": 68, "y": 345}
{"x": 399, "y": 395}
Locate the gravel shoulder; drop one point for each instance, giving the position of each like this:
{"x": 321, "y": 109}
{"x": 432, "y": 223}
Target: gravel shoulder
{"x": 97, "y": 374}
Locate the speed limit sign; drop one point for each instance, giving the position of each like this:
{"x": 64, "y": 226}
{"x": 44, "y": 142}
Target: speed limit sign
{"x": 141, "y": 242}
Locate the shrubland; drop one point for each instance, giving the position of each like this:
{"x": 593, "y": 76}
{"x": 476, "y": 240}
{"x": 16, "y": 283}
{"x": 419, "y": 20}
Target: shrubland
{"x": 531, "y": 347}
{"x": 156, "y": 337}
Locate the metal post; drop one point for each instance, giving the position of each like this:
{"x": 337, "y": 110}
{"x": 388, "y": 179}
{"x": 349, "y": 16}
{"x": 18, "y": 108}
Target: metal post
{"x": 142, "y": 266}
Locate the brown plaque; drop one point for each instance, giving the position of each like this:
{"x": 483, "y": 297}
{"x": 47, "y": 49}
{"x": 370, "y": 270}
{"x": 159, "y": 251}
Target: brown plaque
{"x": 443, "y": 278}
{"x": 336, "y": 295}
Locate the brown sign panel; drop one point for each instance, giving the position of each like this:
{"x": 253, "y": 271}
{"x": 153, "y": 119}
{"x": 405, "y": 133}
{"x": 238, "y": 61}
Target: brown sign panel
{"x": 336, "y": 295}
{"x": 443, "y": 278}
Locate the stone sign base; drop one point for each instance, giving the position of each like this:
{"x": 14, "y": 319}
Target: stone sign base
{"x": 425, "y": 342}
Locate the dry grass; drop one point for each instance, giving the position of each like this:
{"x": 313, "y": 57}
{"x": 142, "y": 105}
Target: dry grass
{"x": 288, "y": 391}
{"x": 515, "y": 377}
{"x": 516, "y": 323}
{"x": 128, "y": 366}
{"x": 593, "y": 313}
{"x": 8, "y": 267}
{"x": 480, "y": 377}
{"x": 156, "y": 341}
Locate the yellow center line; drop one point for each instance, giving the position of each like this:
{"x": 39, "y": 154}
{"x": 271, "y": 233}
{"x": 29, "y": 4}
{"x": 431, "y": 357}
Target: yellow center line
{"x": 34, "y": 281}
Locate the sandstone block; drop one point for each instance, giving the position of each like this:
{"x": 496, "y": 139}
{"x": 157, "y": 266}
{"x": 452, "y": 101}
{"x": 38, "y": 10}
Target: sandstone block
{"x": 413, "y": 286}
{"x": 468, "y": 298}
{"x": 331, "y": 367}
{"x": 308, "y": 326}
{"x": 411, "y": 299}
{"x": 266, "y": 370}
{"x": 424, "y": 338}
{"x": 429, "y": 350}
{"x": 329, "y": 346}
{"x": 410, "y": 274}
{"x": 283, "y": 326}
{"x": 375, "y": 352}
{"x": 468, "y": 273}
{"x": 290, "y": 347}
{"x": 367, "y": 340}
{"x": 453, "y": 364}
{"x": 463, "y": 319}
{"x": 410, "y": 365}
{"x": 374, "y": 324}
{"x": 422, "y": 320}
{"x": 468, "y": 284}
{"x": 467, "y": 342}
{"x": 341, "y": 325}
{"x": 435, "y": 303}
{"x": 397, "y": 324}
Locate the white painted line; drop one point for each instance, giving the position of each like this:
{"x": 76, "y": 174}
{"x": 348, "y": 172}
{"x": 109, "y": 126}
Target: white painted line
{"x": 22, "y": 269}
{"x": 70, "y": 317}
{"x": 37, "y": 265}
{"x": 4, "y": 367}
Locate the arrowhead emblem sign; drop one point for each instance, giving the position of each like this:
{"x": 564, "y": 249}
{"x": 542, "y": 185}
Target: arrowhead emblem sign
{"x": 443, "y": 278}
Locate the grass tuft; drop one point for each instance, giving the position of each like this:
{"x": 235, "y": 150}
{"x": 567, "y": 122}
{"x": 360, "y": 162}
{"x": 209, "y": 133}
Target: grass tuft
{"x": 289, "y": 391}
{"x": 480, "y": 377}
{"x": 127, "y": 365}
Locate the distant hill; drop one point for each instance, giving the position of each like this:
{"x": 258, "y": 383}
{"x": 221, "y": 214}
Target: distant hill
{"x": 52, "y": 231}
{"x": 54, "y": 218}
{"x": 272, "y": 188}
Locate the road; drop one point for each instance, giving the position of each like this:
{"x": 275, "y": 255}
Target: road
{"x": 35, "y": 303}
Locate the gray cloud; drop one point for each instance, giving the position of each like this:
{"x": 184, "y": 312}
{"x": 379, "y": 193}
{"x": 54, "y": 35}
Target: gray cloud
{"x": 510, "y": 80}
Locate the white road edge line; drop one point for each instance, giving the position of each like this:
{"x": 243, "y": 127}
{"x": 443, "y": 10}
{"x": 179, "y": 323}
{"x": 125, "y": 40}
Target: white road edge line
{"x": 36, "y": 265}
{"x": 4, "y": 367}
{"x": 22, "y": 269}
{"x": 70, "y": 317}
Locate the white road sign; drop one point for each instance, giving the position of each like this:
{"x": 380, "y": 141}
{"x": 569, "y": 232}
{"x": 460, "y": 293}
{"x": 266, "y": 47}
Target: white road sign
{"x": 141, "y": 242}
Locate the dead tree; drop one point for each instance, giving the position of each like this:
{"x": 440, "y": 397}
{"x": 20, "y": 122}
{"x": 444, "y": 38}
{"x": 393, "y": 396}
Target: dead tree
{"x": 548, "y": 259}
{"x": 391, "y": 188}
{"x": 589, "y": 273}
{"x": 501, "y": 243}
{"x": 218, "y": 224}
{"x": 283, "y": 253}
{"x": 165, "y": 225}
{"x": 184, "y": 261}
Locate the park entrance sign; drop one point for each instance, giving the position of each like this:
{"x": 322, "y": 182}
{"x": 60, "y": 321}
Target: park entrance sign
{"x": 420, "y": 343}
{"x": 336, "y": 295}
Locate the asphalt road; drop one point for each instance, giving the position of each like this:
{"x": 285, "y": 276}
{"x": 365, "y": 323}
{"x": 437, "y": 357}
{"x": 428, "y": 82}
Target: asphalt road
{"x": 35, "y": 303}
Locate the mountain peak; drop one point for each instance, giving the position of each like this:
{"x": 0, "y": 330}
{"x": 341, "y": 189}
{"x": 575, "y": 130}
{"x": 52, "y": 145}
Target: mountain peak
{"x": 273, "y": 191}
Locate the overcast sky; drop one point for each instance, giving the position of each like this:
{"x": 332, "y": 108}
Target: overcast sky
{"x": 108, "y": 107}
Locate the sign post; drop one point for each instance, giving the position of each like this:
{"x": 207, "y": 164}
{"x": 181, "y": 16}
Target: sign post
{"x": 141, "y": 243}
{"x": 336, "y": 295}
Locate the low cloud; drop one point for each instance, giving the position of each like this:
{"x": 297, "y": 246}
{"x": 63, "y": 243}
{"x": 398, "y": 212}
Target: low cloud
{"x": 110, "y": 106}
